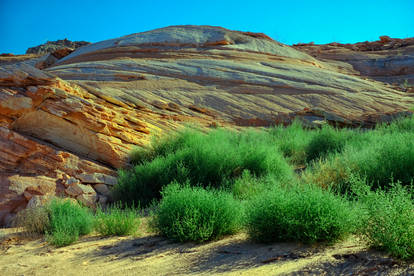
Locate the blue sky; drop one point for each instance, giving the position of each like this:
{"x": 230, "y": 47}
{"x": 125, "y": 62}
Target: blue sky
{"x": 25, "y": 23}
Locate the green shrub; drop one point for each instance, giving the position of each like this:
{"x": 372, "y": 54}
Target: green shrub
{"x": 385, "y": 157}
{"x": 211, "y": 159}
{"x": 325, "y": 141}
{"x": 117, "y": 221}
{"x": 247, "y": 186}
{"x": 379, "y": 157}
{"x": 402, "y": 125}
{"x": 68, "y": 221}
{"x": 299, "y": 213}
{"x": 390, "y": 216}
{"x": 194, "y": 214}
{"x": 162, "y": 146}
{"x": 292, "y": 141}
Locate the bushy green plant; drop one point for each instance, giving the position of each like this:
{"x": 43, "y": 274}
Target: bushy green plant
{"x": 292, "y": 141}
{"x": 389, "y": 222}
{"x": 162, "y": 146}
{"x": 211, "y": 159}
{"x": 68, "y": 221}
{"x": 401, "y": 125}
{"x": 326, "y": 140}
{"x": 299, "y": 213}
{"x": 195, "y": 214}
{"x": 117, "y": 221}
{"x": 388, "y": 156}
{"x": 248, "y": 186}
{"x": 378, "y": 156}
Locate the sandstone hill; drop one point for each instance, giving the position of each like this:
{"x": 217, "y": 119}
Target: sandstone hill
{"x": 67, "y": 123}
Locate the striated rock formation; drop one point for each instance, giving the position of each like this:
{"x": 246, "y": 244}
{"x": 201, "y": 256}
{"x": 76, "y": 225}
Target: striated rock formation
{"x": 58, "y": 139}
{"x": 389, "y": 60}
{"x": 235, "y": 75}
{"x": 52, "y": 46}
{"x": 64, "y": 130}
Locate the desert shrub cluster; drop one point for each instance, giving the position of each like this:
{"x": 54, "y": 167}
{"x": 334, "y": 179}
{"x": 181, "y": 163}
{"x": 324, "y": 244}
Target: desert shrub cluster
{"x": 303, "y": 213}
{"x": 389, "y": 215}
{"x": 205, "y": 185}
{"x": 63, "y": 221}
{"x": 215, "y": 159}
{"x": 195, "y": 214}
{"x": 347, "y": 187}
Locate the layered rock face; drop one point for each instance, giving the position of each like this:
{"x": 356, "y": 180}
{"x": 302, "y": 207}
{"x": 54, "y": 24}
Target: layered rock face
{"x": 235, "y": 75}
{"x": 66, "y": 129}
{"x": 389, "y": 60}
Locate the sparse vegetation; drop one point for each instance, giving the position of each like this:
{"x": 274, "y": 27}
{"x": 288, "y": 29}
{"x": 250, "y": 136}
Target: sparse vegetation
{"x": 33, "y": 220}
{"x": 406, "y": 86}
{"x": 117, "y": 221}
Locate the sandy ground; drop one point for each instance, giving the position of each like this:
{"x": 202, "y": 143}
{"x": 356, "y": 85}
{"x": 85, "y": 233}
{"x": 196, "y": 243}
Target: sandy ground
{"x": 149, "y": 254}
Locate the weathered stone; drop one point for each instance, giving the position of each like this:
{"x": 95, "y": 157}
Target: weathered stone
{"x": 71, "y": 200}
{"x": 88, "y": 200}
{"x": 73, "y": 190}
{"x": 102, "y": 189}
{"x": 86, "y": 189}
{"x": 27, "y": 195}
{"x": 35, "y": 185}
{"x": 71, "y": 181}
{"x": 388, "y": 60}
{"x": 38, "y": 201}
{"x": 102, "y": 200}
{"x": 98, "y": 178}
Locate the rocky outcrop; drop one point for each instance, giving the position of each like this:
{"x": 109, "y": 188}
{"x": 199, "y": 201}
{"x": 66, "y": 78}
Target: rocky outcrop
{"x": 389, "y": 60}
{"x": 59, "y": 139}
{"x": 66, "y": 129}
{"x": 52, "y": 46}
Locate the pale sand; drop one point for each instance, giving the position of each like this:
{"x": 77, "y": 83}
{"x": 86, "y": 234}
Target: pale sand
{"x": 149, "y": 254}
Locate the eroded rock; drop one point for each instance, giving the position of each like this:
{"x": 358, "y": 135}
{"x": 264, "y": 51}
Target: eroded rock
{"x": 65, "y": 130}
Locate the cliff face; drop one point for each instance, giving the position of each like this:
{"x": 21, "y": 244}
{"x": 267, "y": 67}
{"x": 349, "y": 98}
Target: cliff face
{"x": 64, "y": 130}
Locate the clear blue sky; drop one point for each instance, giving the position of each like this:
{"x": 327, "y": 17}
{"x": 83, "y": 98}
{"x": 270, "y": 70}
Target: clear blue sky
{"x": 27, "y": 23}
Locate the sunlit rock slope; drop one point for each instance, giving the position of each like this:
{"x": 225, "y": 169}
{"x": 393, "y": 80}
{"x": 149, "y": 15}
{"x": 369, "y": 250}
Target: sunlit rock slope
{"x": 65, "y": 129}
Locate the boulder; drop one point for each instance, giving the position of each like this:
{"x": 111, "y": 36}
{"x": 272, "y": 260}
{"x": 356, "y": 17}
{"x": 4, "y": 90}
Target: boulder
{"x": 97, "y": 178}
{"x": 38, "y": 201}
{"x": 88, "y": 200}
{"x": 102, "y": 189}
{"x": 73, "y": 190}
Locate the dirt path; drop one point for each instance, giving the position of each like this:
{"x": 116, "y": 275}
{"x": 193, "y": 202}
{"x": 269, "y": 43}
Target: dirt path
{"x": 154, "y": 255}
